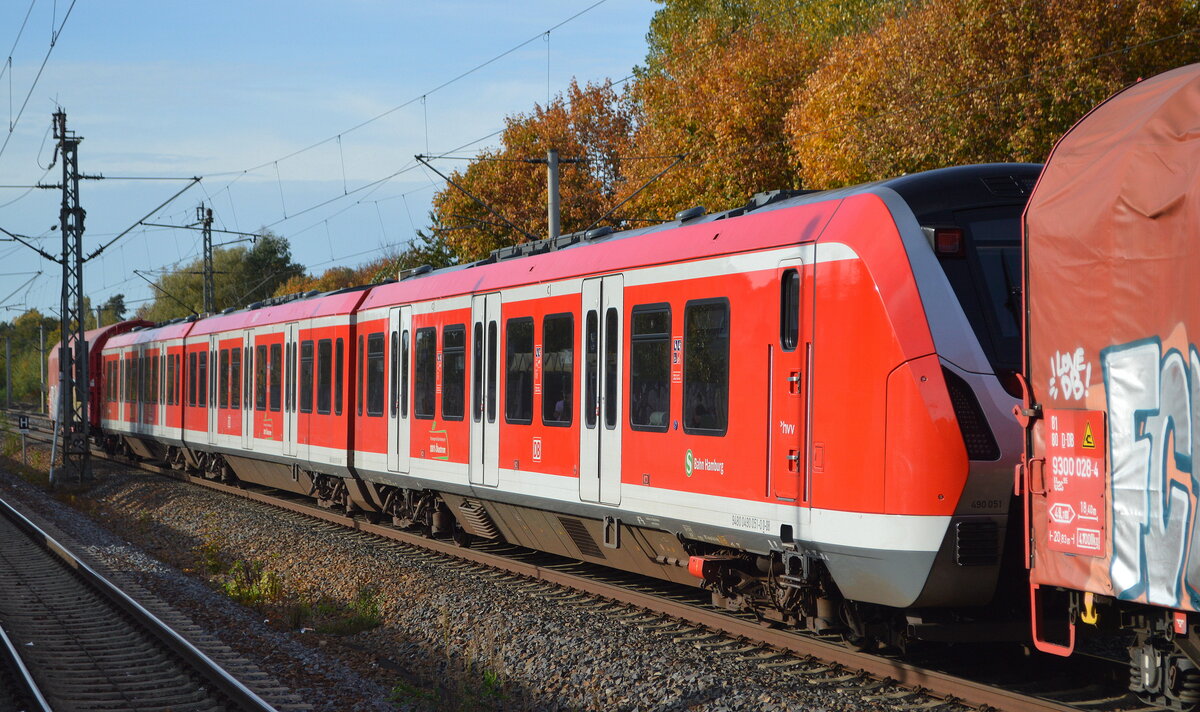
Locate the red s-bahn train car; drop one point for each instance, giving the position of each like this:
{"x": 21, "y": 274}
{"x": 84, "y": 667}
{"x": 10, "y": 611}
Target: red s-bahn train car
{"x": 802, "y": 404}
{"x": 1112, "y": 318}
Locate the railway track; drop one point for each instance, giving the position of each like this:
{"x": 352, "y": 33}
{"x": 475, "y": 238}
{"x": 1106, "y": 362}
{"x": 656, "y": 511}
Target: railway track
{"x": 1004, "y": 681}
{"x": 18, "y": 690}
{"x": 79, "y": 642}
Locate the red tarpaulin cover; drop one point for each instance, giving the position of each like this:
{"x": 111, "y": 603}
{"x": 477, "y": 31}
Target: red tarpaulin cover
{"x": 1112, "y": 260}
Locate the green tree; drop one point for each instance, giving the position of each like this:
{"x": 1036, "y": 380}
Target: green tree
{"x": 241, "y": 276}
{"x": 23, "y": 346}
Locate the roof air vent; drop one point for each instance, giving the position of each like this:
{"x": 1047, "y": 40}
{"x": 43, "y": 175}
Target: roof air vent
{"x": 414, "y": 272}
{"x": 689, "y": 214}
{"x": 598, "y": 232}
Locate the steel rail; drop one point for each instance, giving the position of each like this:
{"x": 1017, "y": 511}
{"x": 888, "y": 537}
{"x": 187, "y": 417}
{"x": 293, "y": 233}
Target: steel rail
{"x": 31, "y": 687}
{"x": 239, "y": 694}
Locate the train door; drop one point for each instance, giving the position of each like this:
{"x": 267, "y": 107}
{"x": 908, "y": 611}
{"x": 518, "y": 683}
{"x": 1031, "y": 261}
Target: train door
{"x": 485, "y": 372}
{"x": 600, "y": 406}
{"x": 790, "y": 358}
{"x": 400, "y": 360}
{"x": 291, "y": 430}
{"x": 160, "y": 387}
{"x": 247, "y": 386}
{"x": 211, "y": 384}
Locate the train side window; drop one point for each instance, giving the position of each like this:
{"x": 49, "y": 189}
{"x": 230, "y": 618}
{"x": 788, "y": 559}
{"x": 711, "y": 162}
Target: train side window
{"x": 202, "y": 379}
{"x": 361, "y": 355}
{"x": 276, "y": 370}
{"x": 477, "y": 372}
{"x": 177, "y": 386}
{"x": 375, "y": 366}
{"x": 789, "y": 310}
{"x": 171, "y": 373}
{"x": 306, "y": 376}
{"x": 650, "y": 367}
{"x": 404, "y": 374}
{"x": 492, "y": 349}
{"x": 324, "y": 376}
{"x": 260, "y": 377}
{"x": 224, "y": 387}
{"x": 339, "y": 370}
{"x": 454, "y": 371}
{"x": 591, "y": 367}
{"x": 154, "y": 379}
{"x": 518, "y": 370}
{"x": 394, "y": 371}
{"x": 425, "y": 375}
{"x": 611, "y": 342}
{"x": 706, "y": 367}
{"x": 558, "y": 368}
{"x": 235, "y": 378}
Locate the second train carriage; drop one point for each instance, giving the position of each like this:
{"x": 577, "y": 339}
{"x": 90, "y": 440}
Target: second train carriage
{"x": 799, "y": 403}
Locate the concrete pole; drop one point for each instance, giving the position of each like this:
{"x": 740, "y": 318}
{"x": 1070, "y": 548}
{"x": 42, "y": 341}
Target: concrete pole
{"x": 552, "y": 191}
{"x": 7, "y": 375}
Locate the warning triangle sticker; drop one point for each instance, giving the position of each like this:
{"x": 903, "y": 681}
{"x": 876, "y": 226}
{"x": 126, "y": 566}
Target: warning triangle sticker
{"x": 1089, "y": 441}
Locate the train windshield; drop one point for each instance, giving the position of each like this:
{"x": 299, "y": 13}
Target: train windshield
{"x": 986, "y": 277}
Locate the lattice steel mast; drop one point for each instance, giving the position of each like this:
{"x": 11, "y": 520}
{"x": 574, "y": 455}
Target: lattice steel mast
{"x": 73, "y": 367}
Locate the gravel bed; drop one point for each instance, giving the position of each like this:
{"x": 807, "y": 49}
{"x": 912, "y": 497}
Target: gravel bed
{"x": 448, "y": 638}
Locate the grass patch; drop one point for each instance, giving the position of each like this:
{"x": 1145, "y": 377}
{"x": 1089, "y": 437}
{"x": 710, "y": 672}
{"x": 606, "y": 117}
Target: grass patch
{"x": 252, "y": 584}
{"x": 363, "y": 613}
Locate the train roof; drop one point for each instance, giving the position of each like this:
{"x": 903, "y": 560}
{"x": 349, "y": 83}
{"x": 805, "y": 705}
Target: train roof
{"x": 692, "y": 235}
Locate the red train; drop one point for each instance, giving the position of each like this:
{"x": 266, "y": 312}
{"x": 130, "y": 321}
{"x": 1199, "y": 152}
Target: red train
{"x": 802, "y": 404}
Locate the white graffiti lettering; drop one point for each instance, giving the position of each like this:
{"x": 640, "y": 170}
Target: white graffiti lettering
{"x": 1070, "y": 375}
{"x": 1150, "y": 400}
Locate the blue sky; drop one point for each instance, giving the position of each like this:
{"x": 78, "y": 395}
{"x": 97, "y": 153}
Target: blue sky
{"x": 214, "y": 89}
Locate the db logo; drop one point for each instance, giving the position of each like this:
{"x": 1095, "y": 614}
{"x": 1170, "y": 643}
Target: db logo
{"x": 537, "y": 449}
{"x": 1062, "y": 513}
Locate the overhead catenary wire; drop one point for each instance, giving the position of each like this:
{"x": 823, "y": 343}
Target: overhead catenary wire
{"x": 420, "y": 97}
{"x": 53, "y": 42}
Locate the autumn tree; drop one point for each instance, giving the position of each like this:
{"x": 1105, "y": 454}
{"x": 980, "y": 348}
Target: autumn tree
{"x": 424, "y": 249}
{"x": 591, "y": 124}
{"x": 970, "y": 81}
{"x": 720, "y": 77}
{"x": 718, "y": 100}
